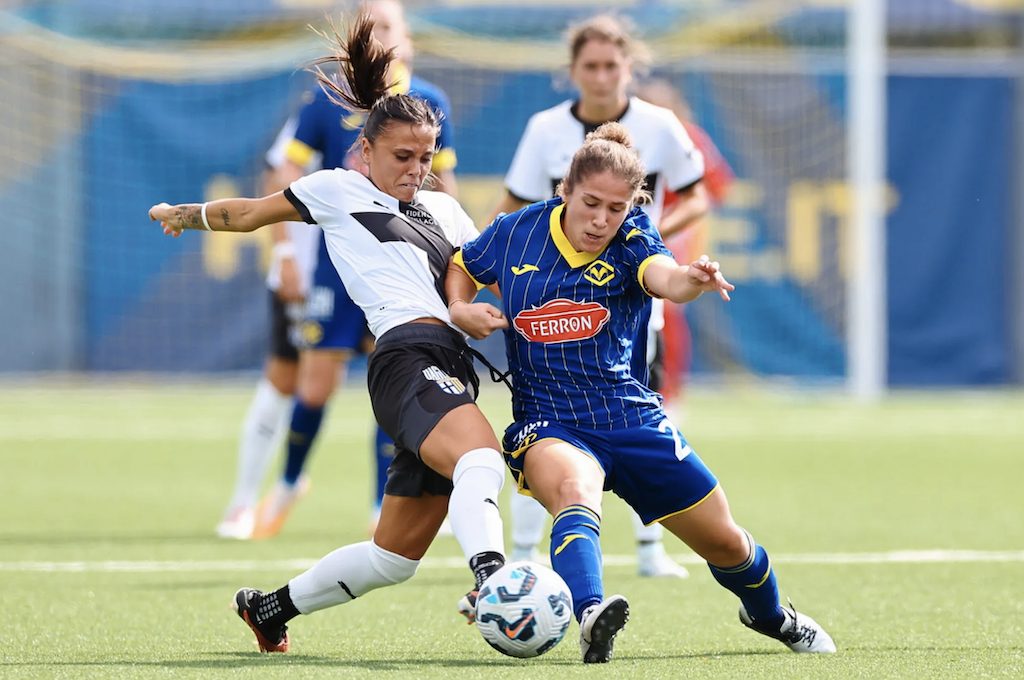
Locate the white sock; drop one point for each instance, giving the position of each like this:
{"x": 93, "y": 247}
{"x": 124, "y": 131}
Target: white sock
{"x": 347, "y": 573}
{"x": 528, "y": 520}
{"x": 651, "y": 533}
{"x": 262, "y": 430}
{"x": 473, "y": 506}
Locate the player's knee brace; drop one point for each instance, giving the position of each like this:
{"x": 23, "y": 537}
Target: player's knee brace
{"x": 480, "y": 459}
{"x": 391, "y": 568}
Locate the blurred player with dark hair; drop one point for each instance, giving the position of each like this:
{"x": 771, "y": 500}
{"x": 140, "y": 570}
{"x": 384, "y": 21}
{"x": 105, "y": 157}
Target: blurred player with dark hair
{"x": 391, "y": 243}
{"x": 603, "y": 54}
{"x": 574, "y": 273}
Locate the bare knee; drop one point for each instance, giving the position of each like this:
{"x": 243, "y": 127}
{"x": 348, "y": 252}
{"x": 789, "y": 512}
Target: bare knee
{"x": 725, "y": 546}
{"x": 578, "y": 491}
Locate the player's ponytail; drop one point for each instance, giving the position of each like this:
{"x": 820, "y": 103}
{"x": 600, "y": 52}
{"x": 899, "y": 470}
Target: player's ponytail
{"x": 609, "y": 148}
{"x": 363, "y": 64}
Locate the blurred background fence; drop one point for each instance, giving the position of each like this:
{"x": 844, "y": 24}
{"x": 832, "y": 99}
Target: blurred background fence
{"x": 109, "y": 106}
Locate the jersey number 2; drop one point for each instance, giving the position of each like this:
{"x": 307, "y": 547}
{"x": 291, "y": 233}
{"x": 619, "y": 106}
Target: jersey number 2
{"x": 681, "y": 450}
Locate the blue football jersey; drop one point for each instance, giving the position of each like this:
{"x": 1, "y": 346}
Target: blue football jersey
{"x": 573, "y": 317}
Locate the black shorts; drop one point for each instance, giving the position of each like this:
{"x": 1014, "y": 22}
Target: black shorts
{"x": 418, "y": 373}
{"x": 285, "y": 328}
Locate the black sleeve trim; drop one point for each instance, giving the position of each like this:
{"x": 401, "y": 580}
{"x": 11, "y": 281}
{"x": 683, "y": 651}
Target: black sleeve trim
{"x": 299, "y": 205}
{"x": 527, "y": 201}
{"x": 689, "y": 186}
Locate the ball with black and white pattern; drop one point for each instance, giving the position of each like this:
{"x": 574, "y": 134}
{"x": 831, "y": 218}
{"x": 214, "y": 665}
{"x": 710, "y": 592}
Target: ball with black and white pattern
{"x": 524, "y": 609}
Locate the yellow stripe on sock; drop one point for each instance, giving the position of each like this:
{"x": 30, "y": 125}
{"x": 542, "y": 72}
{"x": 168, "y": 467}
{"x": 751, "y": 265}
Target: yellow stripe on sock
{"x": 564, "y": 514}
{"x": 764, "y": 578}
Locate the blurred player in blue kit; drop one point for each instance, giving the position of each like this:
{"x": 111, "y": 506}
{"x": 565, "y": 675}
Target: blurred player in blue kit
{"x": 332, "y": 327}
{"x": 575, "y": 273}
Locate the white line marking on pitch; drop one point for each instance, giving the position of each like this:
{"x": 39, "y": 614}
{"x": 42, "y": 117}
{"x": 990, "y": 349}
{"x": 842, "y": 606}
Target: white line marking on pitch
{"x": 894, "y": 557}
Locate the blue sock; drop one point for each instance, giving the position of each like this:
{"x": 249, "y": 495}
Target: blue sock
{"x": 305, "y": 424}
{"x": 384, "y": 453}
{"x": 754, "y": 583}
{"x": 576, "y": 555}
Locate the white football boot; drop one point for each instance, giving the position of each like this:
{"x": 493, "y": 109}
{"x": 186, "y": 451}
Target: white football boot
{"x": 800, "y": 632}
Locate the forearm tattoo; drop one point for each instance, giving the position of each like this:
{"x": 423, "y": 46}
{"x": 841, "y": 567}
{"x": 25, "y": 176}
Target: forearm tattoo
{"x": 188, "y": 217}
{"x": 224, "y": 216}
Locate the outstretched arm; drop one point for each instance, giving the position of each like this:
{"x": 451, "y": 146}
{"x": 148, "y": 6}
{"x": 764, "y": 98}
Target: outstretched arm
{"x": 681, "y": 284}
{"x": 229, "y": 214}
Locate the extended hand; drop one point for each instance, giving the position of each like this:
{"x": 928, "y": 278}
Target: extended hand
{"x": 167, "y": 215}
{"x": 706, "y": 275}
{"x": 479, "y": 319}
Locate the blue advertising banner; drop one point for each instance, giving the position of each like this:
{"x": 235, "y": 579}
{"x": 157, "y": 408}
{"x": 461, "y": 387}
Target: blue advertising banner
{"x": 150, "y": 303}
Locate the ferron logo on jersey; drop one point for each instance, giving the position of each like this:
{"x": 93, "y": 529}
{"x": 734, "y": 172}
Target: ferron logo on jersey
{"x": 561, "y": 320}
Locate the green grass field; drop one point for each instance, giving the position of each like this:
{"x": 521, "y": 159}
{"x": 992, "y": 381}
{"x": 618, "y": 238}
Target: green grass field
{"x": 109, "y": 567}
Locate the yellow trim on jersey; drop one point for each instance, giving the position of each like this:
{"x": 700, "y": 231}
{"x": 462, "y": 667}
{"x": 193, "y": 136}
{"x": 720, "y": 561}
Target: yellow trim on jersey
{"x": 457, "y": 259}
{"x": 677, "y": 512}
{"x": 298, "y": 153}
{"x": 571, "y": 255}
{"x": 444, "y": 160}
{"x": 402, "y": 78}
{"x": 643, "y": 268}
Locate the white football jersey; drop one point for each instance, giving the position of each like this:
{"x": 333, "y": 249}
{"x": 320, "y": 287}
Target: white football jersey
{"x": 392, "y": 256}
{"x": 306, "y": 237}
{"x": 552, "y": 137}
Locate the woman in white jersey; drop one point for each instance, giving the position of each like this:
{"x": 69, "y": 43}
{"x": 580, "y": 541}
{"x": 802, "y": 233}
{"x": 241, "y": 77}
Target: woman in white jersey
{"x": 391, "y": 244}
{"x": 602, "y": 57}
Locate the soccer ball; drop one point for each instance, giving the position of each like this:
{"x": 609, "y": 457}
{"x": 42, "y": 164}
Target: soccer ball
{"x": 523, "y": 609}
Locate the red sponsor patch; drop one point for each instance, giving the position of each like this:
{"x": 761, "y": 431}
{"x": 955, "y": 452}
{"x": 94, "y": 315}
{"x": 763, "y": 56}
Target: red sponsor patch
{"x": 561, "y": 321}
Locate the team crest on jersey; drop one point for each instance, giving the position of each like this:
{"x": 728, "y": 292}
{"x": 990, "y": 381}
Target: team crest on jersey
{"x": 562, "y": 320}
{"x": 446, "y": 382}
{"x": 599, "y": 273}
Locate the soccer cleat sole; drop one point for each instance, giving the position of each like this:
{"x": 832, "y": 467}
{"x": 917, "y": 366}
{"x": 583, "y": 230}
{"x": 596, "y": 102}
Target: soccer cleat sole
{"x": 602, "y": 633}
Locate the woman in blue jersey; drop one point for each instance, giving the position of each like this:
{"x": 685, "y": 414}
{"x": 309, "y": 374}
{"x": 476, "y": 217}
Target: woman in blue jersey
{"x": 574, "y": 274}
{"x": 391, "y": 243}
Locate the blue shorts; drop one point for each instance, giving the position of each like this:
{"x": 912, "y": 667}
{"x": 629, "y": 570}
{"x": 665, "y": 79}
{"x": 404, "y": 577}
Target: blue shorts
{"x": 650, "y": 466}
{"x": 333, "y": 321}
